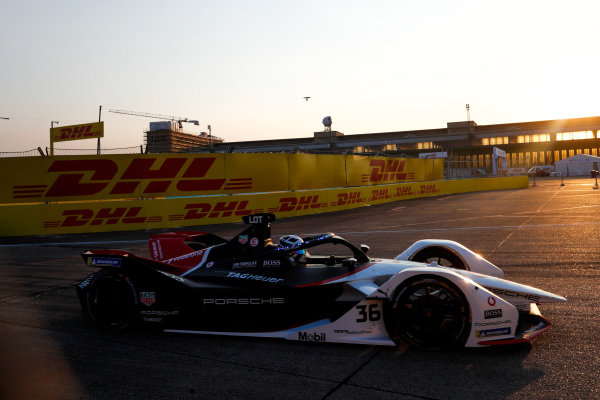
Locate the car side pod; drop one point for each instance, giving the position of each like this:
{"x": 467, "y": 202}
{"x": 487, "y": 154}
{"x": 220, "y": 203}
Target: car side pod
{"x": 471, "y": 260}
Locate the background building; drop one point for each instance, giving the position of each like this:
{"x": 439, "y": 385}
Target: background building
{"x": 169, "y": 137}
{"x": 468, "y": 145}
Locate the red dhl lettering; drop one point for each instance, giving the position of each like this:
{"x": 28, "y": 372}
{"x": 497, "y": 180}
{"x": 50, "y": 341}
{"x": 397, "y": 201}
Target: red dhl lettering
{"x": 387, "y": 170}
{"x": 380, "y": 194}
{"x": 142, "y": 176}
{"x": 108, "y": 216}
{"x": 134, "y": 215}
{"x": 76, "y": 132}
{"x": 428, "y": 189}
{"x": 349, "y": 198}
{"x": 301, "y": 203}
{"x": 220, "y": 209}
{"x": 404, "y": 191}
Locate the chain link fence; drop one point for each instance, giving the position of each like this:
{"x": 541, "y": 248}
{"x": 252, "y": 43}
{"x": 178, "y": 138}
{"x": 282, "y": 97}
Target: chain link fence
{"x": 67, "y": 152}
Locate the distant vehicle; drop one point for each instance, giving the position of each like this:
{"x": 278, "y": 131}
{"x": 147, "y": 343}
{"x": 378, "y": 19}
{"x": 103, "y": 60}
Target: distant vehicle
{"x": 435, "y": 294}
{"x": 540, "y": 170}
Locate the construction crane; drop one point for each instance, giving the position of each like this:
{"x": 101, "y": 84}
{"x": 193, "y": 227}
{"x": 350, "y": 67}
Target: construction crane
{"x": 179, "y": 120}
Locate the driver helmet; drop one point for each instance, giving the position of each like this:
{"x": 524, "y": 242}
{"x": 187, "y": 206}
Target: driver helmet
{"x": 294, "y": 241}
{"x": 291, "y": 241}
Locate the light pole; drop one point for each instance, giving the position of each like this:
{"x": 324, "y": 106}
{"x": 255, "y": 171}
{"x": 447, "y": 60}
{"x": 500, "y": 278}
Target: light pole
{"x": 468, "y": 112}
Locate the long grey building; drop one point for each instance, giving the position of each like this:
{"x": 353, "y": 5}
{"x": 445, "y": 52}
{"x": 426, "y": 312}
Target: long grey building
{"x": 467, "y": 144}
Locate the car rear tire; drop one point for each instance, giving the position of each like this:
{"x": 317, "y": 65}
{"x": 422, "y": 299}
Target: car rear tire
{"x": 442, "y": 257}
{"x": 429, "y": 313}
{"x": 112, "y": 301}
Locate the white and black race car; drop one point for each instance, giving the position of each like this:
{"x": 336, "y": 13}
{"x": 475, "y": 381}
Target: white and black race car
{"x": 322, "y": 288}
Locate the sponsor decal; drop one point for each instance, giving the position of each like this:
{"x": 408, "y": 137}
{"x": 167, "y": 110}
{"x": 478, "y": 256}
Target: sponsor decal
{"x": 300, "y": 203}
{"x": 158, "y": 312}
{"x": 511, "y": 293}
{"x": 105, "y": 261}
{"x": 157, "y": 250}
{"x": 148, "y": 175}
{"x": 271, "y": 263}
{"x": 387, "y": 171}
{"x": 86, "y": 282}
{"x": 202, "y": 254}
{"x": 351, "y": 332}
{"x": 491, "y": 301}
{"x": 508, "y": 321}
{"x": 243, "y": 239}
{"x": 349, "y": 198}
{"x": 244, "y": 264}
{"x": 254, "y": 277}
{"x": 311, "y": 337}
{"x": 492, "y": 332}
{"x": 255, "y": 219}
{"x": 254, "y": 301}
{"x": 76, "y": 132}
{"x": 489, "y": 314}
{"x": 210, "y": 264}
{"x": 148, "y": 298}
{"x": 156, "y": 320}
{"x": 254, "y": 242}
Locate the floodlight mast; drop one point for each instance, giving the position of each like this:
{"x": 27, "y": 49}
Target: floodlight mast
{"x": 179, "y": 120}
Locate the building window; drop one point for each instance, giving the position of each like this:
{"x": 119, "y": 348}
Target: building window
{"x": 425, "y": 145}
{"x": 576, "y": 135}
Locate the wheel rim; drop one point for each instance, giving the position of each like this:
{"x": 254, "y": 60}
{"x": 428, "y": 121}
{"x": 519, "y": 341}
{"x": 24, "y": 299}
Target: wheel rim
{"x": 431, "y": 315}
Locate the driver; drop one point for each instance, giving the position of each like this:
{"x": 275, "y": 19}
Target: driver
{"x": 298, "y": 256}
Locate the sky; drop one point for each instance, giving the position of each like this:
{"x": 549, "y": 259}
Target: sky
{"x": 244, "y": 67}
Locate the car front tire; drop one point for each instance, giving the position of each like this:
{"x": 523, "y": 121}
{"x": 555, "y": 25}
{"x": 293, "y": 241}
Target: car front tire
{"x": 429, "y": 313}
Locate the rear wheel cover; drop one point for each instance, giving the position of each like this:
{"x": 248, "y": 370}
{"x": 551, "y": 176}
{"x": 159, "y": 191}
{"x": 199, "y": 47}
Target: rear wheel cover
{"x": 112, "y": 301}
{"x": 429, "y": 314}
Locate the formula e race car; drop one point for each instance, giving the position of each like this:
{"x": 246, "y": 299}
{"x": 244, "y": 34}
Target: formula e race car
{"x": 321, "y": 288}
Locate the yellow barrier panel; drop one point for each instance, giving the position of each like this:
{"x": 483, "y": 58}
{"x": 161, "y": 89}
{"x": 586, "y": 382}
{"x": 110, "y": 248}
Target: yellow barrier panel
{"x": 127, "y": 176}
{"x": 123, "y": 215}
{"x": 380, "y": 170}
{"x": 250, "y": 173}
{"x": 312, "y": 171}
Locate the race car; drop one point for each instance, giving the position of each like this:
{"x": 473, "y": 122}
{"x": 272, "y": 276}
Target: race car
{"x": 436, "y": 294}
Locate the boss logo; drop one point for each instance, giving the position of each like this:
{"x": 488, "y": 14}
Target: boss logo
{"x": 271, "y": 263}
{"x": 488, "y": 314}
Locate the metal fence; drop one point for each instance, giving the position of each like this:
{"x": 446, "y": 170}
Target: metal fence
{"x": 67, "y": 152}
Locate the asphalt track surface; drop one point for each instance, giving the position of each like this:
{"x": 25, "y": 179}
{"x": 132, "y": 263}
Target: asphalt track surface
{"x": 546, "y": 235}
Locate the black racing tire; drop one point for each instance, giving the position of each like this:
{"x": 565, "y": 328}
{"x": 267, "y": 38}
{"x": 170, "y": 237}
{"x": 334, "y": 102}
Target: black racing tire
{"x": 112, "y": 301}
{"x": 443, "y": 257}
{"x": 429, "y": 313}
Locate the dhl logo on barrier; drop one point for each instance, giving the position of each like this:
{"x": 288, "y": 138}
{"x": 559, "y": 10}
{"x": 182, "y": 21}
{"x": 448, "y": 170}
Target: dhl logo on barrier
{"x": 142, "y": 176}
{"x": 193, "y": 211}
{"x": 71, "y": 217}
{"x": 384, "y": 171}
{"x": 114, "y": 177}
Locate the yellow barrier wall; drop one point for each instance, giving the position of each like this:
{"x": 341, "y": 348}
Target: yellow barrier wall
{"x": 137, "y": 176}
{"x": 104, "y": 216}
{"x": 315, "y": 171}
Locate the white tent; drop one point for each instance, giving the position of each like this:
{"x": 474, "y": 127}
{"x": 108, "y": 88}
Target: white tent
{"x": 581, "y": 164}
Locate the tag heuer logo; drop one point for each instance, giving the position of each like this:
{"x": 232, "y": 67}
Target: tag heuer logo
{"x": 243, "y": 239}
{"x": 148, "y": 298}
